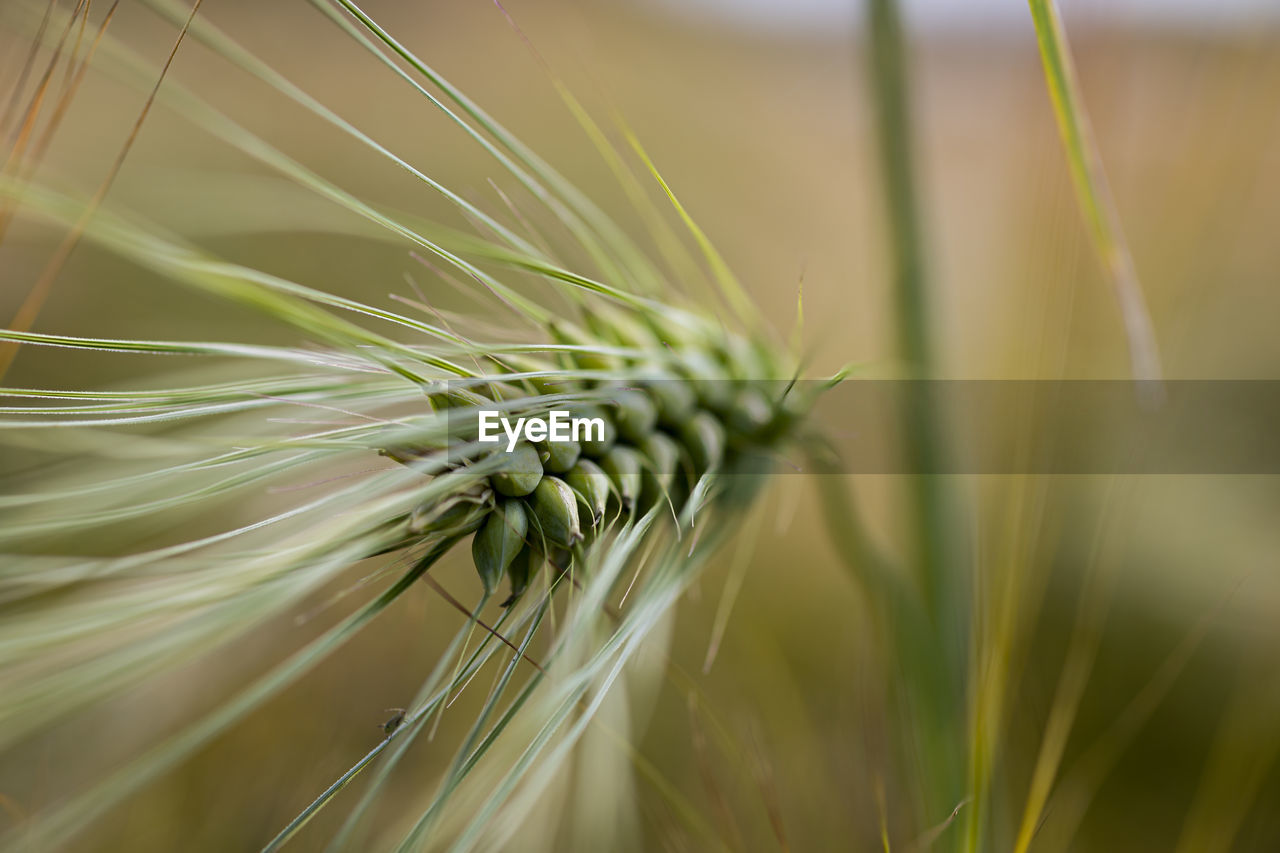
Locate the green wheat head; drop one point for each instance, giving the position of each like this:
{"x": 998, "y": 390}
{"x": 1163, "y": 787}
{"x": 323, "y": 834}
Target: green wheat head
{"x": 372, "y": 406}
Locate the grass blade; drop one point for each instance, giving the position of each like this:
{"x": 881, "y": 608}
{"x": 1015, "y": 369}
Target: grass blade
{"x": 936, "y": 568}
{"x": 1092, "y": 190}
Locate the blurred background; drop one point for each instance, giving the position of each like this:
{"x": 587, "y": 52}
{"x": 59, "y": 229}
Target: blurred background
{"x": 758, "y": 114}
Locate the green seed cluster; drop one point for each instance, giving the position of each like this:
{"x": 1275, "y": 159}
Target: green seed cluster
{"x": 552, "y": 499}
{"x": 664, "y": 430}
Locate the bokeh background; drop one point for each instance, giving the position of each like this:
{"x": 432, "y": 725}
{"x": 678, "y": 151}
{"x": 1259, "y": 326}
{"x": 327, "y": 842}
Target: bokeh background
{"x": 759, "y": 116}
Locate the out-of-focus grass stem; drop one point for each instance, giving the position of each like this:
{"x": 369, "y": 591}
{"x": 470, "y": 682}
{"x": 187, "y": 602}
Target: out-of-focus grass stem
{"x": 1093, "y": 191}
{"x": 932, "y": 663}
{"x": 910, "y": 289}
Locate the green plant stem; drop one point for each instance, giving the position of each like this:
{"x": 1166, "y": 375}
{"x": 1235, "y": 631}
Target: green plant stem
{"x": 933, "y": 691}
{"x": 911, "y": 299}
{"x": 1092, "y": 190}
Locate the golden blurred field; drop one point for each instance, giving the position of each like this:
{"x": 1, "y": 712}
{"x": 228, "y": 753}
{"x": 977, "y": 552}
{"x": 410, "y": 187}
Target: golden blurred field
{"x": 768, "y": 142}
